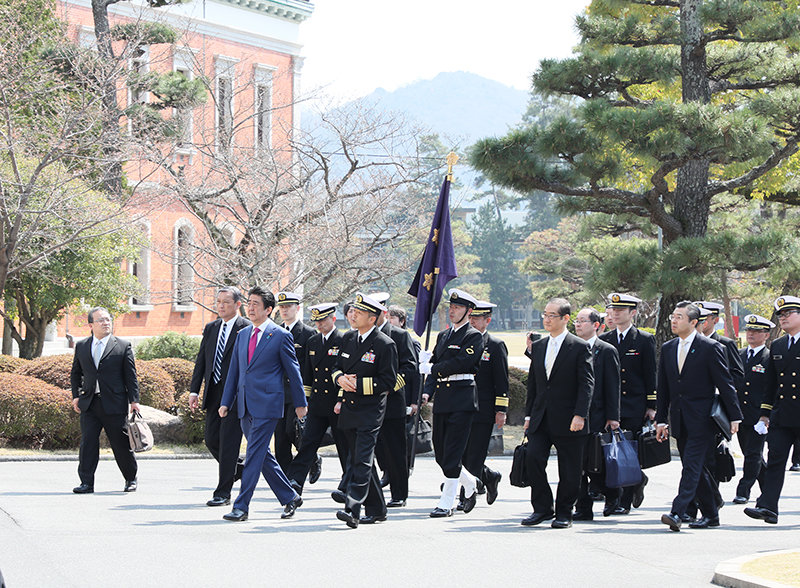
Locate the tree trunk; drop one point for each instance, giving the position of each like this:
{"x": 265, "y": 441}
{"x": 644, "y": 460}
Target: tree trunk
{"x": 32, "y": 345}
{"x": 10, "y": 303}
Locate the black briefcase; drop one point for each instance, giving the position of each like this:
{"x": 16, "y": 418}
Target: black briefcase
{"x": 424, "y": 435}
{"x": 720, "y": 417}
{"x": 519, "y": 474}
{"x": 724, "y": 466}
{"x": 651, "y": 452}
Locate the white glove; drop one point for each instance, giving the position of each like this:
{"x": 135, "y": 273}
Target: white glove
{"x": 425, "y": 368}
{"x": 425, "y": 356}
{"x": 760, "y": 427}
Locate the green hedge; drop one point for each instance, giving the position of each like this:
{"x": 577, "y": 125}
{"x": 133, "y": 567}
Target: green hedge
{"x": 170, "y": 344}
{"x": 180, "y": 370}
{"x": 53, "y": 369}
{"x": 34, "y": 414}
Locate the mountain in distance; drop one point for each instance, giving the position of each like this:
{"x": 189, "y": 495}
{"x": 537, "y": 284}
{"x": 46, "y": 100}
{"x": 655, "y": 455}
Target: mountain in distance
{"x": 459, "y": 106}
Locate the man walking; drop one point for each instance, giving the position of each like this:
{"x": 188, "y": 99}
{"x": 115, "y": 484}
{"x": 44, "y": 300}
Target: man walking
{"x": 104, "y": 383}
{"x": 223, "y": 436}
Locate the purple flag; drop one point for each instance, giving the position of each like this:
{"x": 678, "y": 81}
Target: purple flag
{"x": 438, "y": 258}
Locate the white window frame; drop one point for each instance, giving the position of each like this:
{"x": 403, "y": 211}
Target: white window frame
{"x": 177, "y": 306}
{"x": 143, "y": 275}
{"x": 225, "y": 69}
{"x": 263, "y": 76}
{"x": 183, "y": 61}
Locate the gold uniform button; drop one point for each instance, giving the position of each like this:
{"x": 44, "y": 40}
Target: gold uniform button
{"x": 316, "y": 369}
{"x": 745, "y": 392}
{"x": 781, "y": 373}
{"x": 624, "y": 393}
{"x": 623, "y": 369}
{"x": 781, "y": 386}
{"x": 781, "y": 396}
{"x": 316, "y": 380}
{"x": 794, "y": 397}
{"x": 747, "y": 383}
{"x": 623, "y": 381}
{"x": 794, "y": 373}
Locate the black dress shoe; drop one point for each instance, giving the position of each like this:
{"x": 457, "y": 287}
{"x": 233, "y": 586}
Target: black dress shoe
{"x": 316, "y": 470}
{"x": 687, "y": 518}
{"x": 672, "y": 520}
{"x": 795, "y": 467}
{"x": 491, "y": 487}
{"x": 764, "y": 514}
{"x": 348, "y": 518}
{"x": 596, "y": 496}
{"x": 461, "y": 498}
{"x": 460, "y": 506}
{"x": 438, "y": 513}
{"x": 83, "y": 489}
{"x": 638, "y": 492}
{"x": 338, "y": 496}
{"x": 236, "y": 515}
{"x": 372, "y": 519}
{"x": 237, "y": 472}
{"x": 583, "y": 515}
{"x": 395, "y": 503}
{"x": 561, "y": 524}
{"x": 480, "y": 487}
{"x": 384, "y": 481}
{"x": 291, "y": 507}
{"x": 470, "y": 502}
{"x": 130, "y": 486}
{"x": 218, "y": 501}
{"x": 296, "y": 487}
{"x": 537, "y": 518}
{"x": 740, "y": 500}
{"x": 615, "y": 510}
{"x": 705, "y": 523}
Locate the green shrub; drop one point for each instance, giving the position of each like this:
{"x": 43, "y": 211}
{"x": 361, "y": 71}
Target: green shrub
{"x": 180, "y": 370}
{"x": 34, "y": 414}
{"x": 53, "y": 369}
{"x": 155, "y": 386}
{"x": 194, "y": 421}
{"x": 170, "y": 344}
{"x": 10, "y": 364}
{"x": 517, "y": 394}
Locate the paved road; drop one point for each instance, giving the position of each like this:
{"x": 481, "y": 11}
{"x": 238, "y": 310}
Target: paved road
{"x": 164, "y": 535}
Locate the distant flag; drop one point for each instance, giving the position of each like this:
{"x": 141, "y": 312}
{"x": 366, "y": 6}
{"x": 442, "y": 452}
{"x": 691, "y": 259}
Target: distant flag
{"x": 439, "y": 259}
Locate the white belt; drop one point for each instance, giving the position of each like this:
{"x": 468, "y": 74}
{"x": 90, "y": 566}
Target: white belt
{"x": 456, "y": 377}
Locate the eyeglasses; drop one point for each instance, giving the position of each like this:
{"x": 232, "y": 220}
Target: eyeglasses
{"x": 787, "y": 312}
{"x": 551, "y": 315}
{"x": 674, "y": 317}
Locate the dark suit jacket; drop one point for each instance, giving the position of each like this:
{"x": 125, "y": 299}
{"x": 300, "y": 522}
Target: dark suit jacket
{"x": 374, "y": 363}
{"x": 782, "y": 395}
{"x": 321, "y": 361}
{"x": 455, "y": 353}
{"x": 605, "y": 399}
{"x": 116, "y": 375}
{"x": 204, "y": 364}
{"x": 734, "y": 359}
{"x": 407, "y": 361}
{"x": 568, "y": 392}
{"x": 492, "y": 379}
{"x": 637, "y": 359}
{"x": 689, "y": 395}
{"x": 301, "y": 333}
{"x": 751, "y": 391}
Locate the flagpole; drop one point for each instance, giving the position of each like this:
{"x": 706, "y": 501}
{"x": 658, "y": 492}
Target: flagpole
{"x": 451, "y": 159}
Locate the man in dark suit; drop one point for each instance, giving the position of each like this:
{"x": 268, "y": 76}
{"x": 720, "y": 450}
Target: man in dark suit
{"x": 751, "y": 394}
{"x": 708, "y": 327}
{"x": 366, "y": 374}
{"x": 397, "y": 317}
{"x": 691, "y": 369}
{"x": 104, "y": 383}
{"x": 223, "y": 436}
{"x": 560, "y": 386}
{"x": 780, "y": 410}
{"x": 263, "y": 357}
{"x": 491, "y": 382}
{"x": 451, "y": 386}
{"x": 391, "y": 451}
{"x": 637, "y": 358}
{"x": 604, "y": 409}
{"x": 322, "y": 357}
{"x": 286, "y": 432}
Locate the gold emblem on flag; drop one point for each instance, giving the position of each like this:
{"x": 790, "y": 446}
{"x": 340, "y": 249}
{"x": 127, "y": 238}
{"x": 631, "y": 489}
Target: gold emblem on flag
{"x": 435, "y": 237}
{"x": 428, "y": 282}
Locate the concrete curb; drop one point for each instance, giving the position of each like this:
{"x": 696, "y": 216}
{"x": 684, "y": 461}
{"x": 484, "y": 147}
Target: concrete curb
{"x": 728, "y": 573}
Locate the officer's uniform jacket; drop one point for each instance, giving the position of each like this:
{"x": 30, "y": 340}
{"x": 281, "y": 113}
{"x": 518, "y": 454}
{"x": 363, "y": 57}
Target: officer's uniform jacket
{"x": 407, "y": 359}
{"x": 492, "y": 379}
{"x": 455, "y": 354}
{"x": 637, "y": 359}
{"x": 735, "y": 365}
{"x": 374, "y": 362}
{"x": 782, "y": 394}
{"x": 321, "y": 361}
{"x": 301, "y": 333}
{"x": 754, "y": 383}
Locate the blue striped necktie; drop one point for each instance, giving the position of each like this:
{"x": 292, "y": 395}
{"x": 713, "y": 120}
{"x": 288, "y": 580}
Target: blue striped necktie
{"x": 220, "y": 353}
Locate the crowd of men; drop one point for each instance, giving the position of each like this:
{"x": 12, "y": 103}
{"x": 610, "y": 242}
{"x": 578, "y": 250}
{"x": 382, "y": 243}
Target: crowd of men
{"x": 361, "y": 388}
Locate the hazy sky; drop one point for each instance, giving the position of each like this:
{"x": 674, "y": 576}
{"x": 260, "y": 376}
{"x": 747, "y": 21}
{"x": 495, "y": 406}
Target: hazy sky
{"x": 355, "y": 46}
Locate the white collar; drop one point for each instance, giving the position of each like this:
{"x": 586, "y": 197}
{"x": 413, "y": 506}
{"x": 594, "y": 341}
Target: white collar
{"x": 625, "y": 332}
{"x": 755, "y": 350}
{"x": 263, "y": 326}
{"x": 690, "y": 338}
{"x": 456, "y": 329}
{"x": 367, "y": 334}
{"x": 559, "y": 339}
{"x": 290, "y": 327}
{"x": 591, "y": 341}
{"x": 104, "y": 340}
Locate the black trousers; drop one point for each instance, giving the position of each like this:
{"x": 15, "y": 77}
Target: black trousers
{"x": 570, "y": 451}
{"x": 93, "y": 420}
{"x": 391, "y": 454}
{"x": 779, "y": 441}
{"x": 223, "y": 437}
{"x": 363, "y": 483}
{"x": 477, "y": 449}
{"x": 752, "y": 445}
{"x": 450, "y": 437}
{"x": 697, "y": 483}
{"x": 286, "y": 436}
{"x": 630, "y": 424}
{"x": 592, "y": 480}
{"x": 316, "y": 426}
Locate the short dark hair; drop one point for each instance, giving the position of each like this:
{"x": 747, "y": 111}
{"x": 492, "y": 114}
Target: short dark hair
{"x": 399, "y": 312}
{"x": 90, "y": 316}
{"x": 563, "y": 306}
{"x": 692, "y": 310}
{"x": 347, "y": 307}
{"x": 233, "y": 290}
{"x": 267, "y": 297}
{"x": 595, "y": 317}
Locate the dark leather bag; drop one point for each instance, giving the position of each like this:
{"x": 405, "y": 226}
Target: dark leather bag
{"x": 651, "y": 452}
{"x": 519, "y": 474}
{"x": 720, "y": 417}
{"x": 139, "y": 433}
{"x": 724, "y": 466}
{"x": 424, "y": 435}
{"x": 595, "y": 460}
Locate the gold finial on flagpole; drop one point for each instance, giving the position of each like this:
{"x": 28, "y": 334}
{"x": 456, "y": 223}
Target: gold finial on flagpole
{"x": 451, "y": 159}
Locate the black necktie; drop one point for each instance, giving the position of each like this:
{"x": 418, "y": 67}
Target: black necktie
{"x": 621, "y": 337}
{"x": 750, "y": 354}
{"x": 791, "y": 344}
{"x": 360, "y": 340}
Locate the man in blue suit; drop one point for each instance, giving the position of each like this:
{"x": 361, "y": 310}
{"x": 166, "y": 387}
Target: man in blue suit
{"x": 263, "y": 356}
{"x": 691, "y": 368}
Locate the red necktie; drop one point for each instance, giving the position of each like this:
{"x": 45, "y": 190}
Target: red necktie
{"x": 251, "y": 348}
